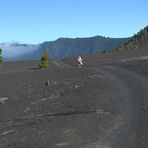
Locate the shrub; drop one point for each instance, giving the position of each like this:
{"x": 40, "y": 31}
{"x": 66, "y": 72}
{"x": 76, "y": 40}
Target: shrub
{"x": 44, "y": 60}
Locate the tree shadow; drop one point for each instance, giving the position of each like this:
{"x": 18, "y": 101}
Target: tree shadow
{"x": 35, "y": 68}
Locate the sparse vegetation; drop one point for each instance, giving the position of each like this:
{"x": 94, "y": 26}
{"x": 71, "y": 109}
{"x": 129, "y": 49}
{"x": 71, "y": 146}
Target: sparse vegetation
{"x": 135, "y": 41}
{"x": 44, "y": 60}
{"x": 1, "y": 60}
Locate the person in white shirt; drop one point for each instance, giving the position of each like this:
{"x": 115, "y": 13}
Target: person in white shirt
{"x": 80, "y": 61}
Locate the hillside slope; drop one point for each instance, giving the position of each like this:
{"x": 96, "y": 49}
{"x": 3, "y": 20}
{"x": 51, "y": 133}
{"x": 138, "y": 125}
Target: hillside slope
{"x": 65, "y": 47}
{"x": 138, "y": 41}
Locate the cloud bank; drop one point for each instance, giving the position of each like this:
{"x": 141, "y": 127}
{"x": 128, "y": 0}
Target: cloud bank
{"x": 13, "y": 50}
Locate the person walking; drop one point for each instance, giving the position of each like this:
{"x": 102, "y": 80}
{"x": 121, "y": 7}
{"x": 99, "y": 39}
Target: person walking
{"x": 80, "y": 61}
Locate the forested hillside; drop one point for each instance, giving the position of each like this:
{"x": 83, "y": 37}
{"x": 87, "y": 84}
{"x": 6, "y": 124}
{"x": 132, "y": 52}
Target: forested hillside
{"x": 138, "y": 41}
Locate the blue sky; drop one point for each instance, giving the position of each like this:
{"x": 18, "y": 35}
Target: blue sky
{"x": 36, "y": 21}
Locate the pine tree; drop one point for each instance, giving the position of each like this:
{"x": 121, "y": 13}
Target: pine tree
{"x": 44, "y": 60}
{"x": 1, "y": 60}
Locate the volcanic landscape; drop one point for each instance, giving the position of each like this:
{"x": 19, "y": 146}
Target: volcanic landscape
{"x": 103, "y": 104}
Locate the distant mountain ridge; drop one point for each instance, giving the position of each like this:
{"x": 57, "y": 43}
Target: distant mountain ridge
{"x": 60, "y": 48}
{"x": 65, "y": 47}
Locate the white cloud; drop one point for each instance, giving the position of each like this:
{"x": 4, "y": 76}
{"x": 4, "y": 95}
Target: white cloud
{"x": 12, "y": 50}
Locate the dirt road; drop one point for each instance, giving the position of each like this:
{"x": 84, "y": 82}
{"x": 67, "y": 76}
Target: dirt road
{"x": 101, "y": 106}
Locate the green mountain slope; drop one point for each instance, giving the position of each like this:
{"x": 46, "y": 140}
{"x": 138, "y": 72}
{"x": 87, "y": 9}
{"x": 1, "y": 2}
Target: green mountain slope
{"x": 65, "y": 47}
{"x": 60, "y": 48}
{"x": 137, "y": 41}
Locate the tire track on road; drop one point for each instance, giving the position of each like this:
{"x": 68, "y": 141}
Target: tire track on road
{"x": 137, "y": 130}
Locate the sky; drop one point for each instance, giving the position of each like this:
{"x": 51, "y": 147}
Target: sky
{"x": 36, "y": 21}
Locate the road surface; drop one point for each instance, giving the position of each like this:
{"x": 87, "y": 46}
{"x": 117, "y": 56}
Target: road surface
{"x": 104, "y": 106}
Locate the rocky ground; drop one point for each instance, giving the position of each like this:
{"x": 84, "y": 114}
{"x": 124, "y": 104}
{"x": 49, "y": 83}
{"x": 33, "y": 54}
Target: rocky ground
{"x": 104, "y": 104}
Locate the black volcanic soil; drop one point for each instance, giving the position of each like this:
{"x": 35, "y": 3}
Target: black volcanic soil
{"x": 104, "y": 104}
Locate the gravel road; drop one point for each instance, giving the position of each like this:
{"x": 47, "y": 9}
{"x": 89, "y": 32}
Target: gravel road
{"x": 102, "y": 105}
